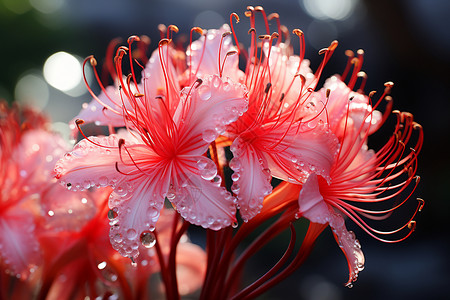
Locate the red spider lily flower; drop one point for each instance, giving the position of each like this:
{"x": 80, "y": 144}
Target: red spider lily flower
{"x": 161, "y": 155}
{"x": 364, "y": 184}
{"x": 278, "y": 135}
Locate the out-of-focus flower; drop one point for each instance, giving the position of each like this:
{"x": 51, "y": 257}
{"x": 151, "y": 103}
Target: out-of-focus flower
{"x": 162, "y": 153}
{"x": 30, "y": 196}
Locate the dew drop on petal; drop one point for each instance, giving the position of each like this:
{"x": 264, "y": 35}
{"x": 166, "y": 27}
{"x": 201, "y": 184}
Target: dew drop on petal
{"x": 103, "y": 181}
{"x": 112, "y": 214}
{"x": 209, "y": 135}
{"x": 131, "y": 234}
{"x": 235, "y": 176}
{"x": 118, "y": 238}
{"x": 204, "y": 92}
{"x": 148, "y": 239}
{"x": 208, "y": 169}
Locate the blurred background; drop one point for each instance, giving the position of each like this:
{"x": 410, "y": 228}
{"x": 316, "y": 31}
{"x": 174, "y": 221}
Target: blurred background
{"x": 43, "y": 43}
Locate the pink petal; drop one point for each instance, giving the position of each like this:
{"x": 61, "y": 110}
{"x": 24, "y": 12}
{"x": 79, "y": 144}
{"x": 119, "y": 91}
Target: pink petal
{"x": 363, "y": 115}
{"x": 95, "y": 112}
{"x": 73, "y": 213}
{"x": 135, "y": 208}
{"x": 313, "y": 207}
{"x": 198, "y": 196}
{"x": 156, "y": 82}
{"x": 89, "y": 165}
{"x": 205, "y": 57}
{"x": 36, "y": 156}
{"x": 349, "y": 245}
{"x": 203, "y": 115}
{"x": 311, "y": 203}
{"x": 302, "y": 151}
{"x": 251, "y": 178}
{"x": 18, "y": 243}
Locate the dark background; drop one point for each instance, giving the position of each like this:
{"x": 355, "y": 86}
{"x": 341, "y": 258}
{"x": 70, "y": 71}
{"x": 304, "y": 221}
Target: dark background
{"x": 407, "y": 42}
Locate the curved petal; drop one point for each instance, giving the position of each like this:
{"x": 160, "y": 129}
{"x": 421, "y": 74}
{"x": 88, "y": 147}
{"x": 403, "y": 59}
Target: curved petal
{"x": 303, "y": 150}
{"x": 135, "y": 209}
{"x": 311, "y": 203}
{"x": 313, "y": 207}
{"x": 89, "y": 164}
{"x": 349, "y": 245}
{"x": 36, "y": 156}
{"x": 18, "y": 243}
{"x": 206, "y": 110}
{"x": 198, "y": 196}
{"x": 203, "y": 58}
{"x": 73, "y": 213}
{"x": 251, "y": 178}
{"x": 96, "y": 112}
{"x": 159, "y": 78}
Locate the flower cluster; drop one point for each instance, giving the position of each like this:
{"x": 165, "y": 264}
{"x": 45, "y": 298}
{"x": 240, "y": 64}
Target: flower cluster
{"x": 166, "y": 162}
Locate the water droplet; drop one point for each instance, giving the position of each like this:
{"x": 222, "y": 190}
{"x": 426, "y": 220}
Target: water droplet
{"x": 235, "y": 188}
{"x": 208, "y": 169}
{"x": 148, "y": 239}
{"x": 235, "y": 164}
{"x": 204, "y": 92}
{"x": 103, "y": 181}
{"x": 51, "y": 213}
{"x": 131, "y": 234}
{"x": 118, "y": 238}
{"x": 112, "y": 214}
{"x": 152, "y": 213}
{"x": 235, "y": 224}
{"x": 209, "y": 135}
{"x": 235, "y": 176}
{"x": 216, "y": 81}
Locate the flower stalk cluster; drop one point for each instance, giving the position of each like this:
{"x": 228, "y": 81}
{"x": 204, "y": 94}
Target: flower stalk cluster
{"x": 196, "y": 141}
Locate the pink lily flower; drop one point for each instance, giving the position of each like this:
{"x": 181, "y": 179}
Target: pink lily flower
{"x": 160, "y": 156}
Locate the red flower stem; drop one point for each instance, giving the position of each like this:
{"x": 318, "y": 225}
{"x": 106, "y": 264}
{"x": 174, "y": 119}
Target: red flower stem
{"x": 162, "y": 266}
{"x": 210, "y": 250}
{"x": 214, "y": 271}
{"x": 274, "y": 269}
{"x": 314, "y": 230}
{"x": 270, "y": 233}
{"x": 172, "y": 258}
{"x": 49, "y": 275}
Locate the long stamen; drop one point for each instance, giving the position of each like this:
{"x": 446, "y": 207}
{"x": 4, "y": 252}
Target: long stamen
{"x": 232, "y": 30}
{"x": 199, "y": 31}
